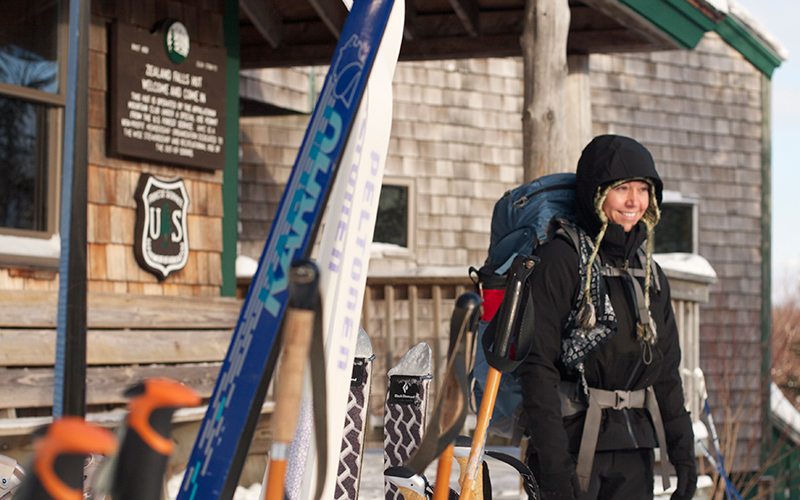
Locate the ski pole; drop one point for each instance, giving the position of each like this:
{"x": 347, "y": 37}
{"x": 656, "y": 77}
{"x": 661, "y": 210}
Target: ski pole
{"x": 730, "y": 489}
{"x": 441, "y": 490}
{"x": 509, "y": 319}
{"x": 452, "y": 399}
{"x": 146, "y": 445}
{"x": 57, "y": 469}
{"x": 297, "y": 330}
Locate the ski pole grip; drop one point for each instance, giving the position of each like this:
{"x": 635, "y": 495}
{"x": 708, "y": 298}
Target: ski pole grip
{"x": 57, "y": 469}
{"x": 298, "y": 328}
{"x": 464, "y": 318}
{"x": 289, "y": 388}
{"x": 147, "y": 443}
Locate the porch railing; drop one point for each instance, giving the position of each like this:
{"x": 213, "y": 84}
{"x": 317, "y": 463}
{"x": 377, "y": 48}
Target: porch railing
{"x": 400, "y": 311}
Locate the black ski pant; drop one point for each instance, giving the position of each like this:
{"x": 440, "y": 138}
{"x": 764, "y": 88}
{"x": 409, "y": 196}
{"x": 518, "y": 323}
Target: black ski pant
{"x": 621, "y": 474}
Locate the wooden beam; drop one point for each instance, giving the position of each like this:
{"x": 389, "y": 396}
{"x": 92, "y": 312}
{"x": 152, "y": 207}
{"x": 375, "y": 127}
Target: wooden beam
{"x": 33, "y": 309}
{"x": 332, "y": 13}
{"x": 35, "y": 347}
{"x": 544, "y": 120}
{"x": 467, "y": 12}
{"x": 262, "y": 56}
{"x": 266, "y": 18}
{"x": 30, "y": 388}
{"x": 633, "y": 22}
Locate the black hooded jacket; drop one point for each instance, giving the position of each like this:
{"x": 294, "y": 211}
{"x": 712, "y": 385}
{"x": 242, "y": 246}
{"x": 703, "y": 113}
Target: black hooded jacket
{"x": 619, "y": 363}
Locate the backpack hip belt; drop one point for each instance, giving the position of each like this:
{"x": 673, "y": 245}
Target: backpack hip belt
{"x": 599, "y": 400}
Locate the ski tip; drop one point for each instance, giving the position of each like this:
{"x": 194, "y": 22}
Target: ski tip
{"x": 364, "y": 345}
{"x": 416, "y": 362}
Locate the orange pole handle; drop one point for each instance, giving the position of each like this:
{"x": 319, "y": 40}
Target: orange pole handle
{"x": 441, "y": 490}
{"x": 479, "y": 437}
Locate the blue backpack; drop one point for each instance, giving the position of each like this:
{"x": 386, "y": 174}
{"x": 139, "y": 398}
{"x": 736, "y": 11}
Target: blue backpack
{"x": 524, "y": 218}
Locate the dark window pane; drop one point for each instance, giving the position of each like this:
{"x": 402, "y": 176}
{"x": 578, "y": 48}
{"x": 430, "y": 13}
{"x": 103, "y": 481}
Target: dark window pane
{"x": 29, "y": 44}
{"x": 23, "y": 168}
{"x": 391, "y": 225}
{"x": 674, "y": 232}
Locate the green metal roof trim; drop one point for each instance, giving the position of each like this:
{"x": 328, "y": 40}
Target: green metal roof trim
{"x": 677, "y": 18}
{"x": 738, "y": 37}
{"x": 686, "y": 24}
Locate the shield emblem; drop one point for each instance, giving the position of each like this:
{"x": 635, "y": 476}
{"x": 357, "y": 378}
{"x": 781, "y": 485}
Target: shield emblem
{"x": 161, "y": 244}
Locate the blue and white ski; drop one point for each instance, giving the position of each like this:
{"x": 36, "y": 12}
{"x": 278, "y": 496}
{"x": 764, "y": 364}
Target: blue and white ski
{"x": 220, "y": 449}
{"x": 343, "y": 257}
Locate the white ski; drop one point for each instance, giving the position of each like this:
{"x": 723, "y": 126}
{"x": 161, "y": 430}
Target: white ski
{"x": 343, "y": 259}
{"x": 351, "y": 455}
{"x": 406, "y": 410}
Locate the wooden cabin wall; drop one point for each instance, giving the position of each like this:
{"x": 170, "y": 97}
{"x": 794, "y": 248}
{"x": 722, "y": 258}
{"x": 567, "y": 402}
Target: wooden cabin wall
{"x": 699, "y": 113}
{"x": 111, "y": 211}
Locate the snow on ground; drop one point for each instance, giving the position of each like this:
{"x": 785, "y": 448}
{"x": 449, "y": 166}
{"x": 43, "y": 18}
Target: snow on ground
{"x": 505, "y": 481}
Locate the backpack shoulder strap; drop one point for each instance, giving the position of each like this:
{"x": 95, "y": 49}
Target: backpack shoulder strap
{"x": 568, "y": 231}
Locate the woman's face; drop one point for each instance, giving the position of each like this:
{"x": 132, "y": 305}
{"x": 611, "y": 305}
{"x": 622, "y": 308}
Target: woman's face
{"x": 626, "y": 204}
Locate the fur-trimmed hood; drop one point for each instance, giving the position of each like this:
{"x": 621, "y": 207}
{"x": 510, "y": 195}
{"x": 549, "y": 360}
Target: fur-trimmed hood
{"x": 608, "y": 161}
{"x": 605, "y": 161}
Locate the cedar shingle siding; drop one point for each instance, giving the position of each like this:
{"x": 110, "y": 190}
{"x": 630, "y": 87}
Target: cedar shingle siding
{"x": 457, "y": 137}
{"x": 699, "y": 113}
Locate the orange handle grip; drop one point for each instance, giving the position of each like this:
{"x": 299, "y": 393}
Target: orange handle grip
{"x": 441, "y": 491}
{"x": 470, "y": 474}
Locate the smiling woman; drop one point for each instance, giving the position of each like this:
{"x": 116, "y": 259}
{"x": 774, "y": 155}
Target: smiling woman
{"x": 626, "y": 203}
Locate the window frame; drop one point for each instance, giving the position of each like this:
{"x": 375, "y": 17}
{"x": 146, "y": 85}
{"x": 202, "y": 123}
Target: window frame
{"x": 678, "y": 198}
{"x": 40, "y": 245}
{"x": 411, "y": 218}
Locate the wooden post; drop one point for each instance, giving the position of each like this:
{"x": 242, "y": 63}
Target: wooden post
{"x": 544, "y": 56}
{"x": 578, "y": 109}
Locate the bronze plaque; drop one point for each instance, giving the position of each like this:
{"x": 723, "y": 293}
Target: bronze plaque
{"x": 163, "y": 110}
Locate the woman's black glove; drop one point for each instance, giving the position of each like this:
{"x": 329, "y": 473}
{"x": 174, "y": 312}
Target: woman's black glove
{"x": 559, "y": 486}
{"x": 687, "y": 481}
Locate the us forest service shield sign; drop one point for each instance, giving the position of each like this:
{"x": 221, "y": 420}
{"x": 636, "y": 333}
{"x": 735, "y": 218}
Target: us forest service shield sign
{"x": 161, "y": 244}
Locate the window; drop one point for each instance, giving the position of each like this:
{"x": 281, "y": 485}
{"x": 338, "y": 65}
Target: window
{"x": 677, "y": 230}
{"x": 31, "y": 104}
{"x": 393, "y": 224}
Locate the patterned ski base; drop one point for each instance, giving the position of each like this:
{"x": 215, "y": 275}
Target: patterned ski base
{"x": 403, "y": 422}
{"x": 352, "y": 455}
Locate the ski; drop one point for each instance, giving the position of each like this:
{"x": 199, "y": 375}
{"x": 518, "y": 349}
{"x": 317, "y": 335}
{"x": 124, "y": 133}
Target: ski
{"x": 406, "y": 409}
{"x": 343, "y": 257}
{"x": 227, "y": 429}
{"x": 351, "y": 455}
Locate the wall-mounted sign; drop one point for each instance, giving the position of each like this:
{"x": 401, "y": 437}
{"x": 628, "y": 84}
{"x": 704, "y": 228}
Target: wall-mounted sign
{"x": 161, "y": 243}
{"x": 167, "y": 97}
